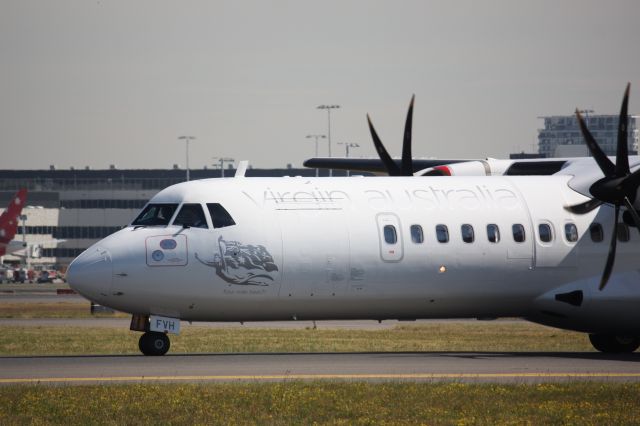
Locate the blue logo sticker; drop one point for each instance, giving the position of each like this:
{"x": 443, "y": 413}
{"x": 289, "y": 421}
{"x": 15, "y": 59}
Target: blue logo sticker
{"x": 157, "y": 255}
{"x": 168, "y": 244}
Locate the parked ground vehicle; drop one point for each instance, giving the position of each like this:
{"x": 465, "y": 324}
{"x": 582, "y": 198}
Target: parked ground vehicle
{"x": 46, "y": 277}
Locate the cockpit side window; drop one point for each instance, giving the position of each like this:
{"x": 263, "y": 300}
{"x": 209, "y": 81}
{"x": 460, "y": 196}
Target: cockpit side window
{"x": 191, "y": 216}
{"x": 155, "y": 215}
{"x": 220, "y": 217}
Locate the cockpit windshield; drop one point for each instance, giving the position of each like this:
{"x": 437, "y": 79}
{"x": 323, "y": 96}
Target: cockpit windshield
{"x": 220, "y": 217}
{"x": 191, "y": 216}
{"x": 155, "y": 215}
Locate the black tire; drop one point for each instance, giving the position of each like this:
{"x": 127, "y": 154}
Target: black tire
{"x": 609, "y": 343}
{"x": 153, "y": 343}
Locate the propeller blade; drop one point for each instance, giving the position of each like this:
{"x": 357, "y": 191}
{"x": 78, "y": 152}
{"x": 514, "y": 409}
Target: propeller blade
{"x": 622, "y": 156}
{"x": 584, "y": 208}
{"x": 407, "y": 159}
{"x": 633, "y": 212}
{"x": 601, "y": 158}
{"x": 633, "y": 181}
{"x": 388, "y": 162}
{"x": 612, "y": 251}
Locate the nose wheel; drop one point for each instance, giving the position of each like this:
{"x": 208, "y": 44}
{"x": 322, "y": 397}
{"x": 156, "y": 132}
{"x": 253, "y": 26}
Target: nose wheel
{"x": 154, "y": 343}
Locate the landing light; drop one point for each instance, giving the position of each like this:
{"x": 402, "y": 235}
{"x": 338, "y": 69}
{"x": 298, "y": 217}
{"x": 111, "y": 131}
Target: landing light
{"x": 442, "y": 269}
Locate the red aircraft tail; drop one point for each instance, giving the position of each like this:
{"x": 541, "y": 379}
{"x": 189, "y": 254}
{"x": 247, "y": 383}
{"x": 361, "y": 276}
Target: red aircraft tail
{"x": 9, "y": 219}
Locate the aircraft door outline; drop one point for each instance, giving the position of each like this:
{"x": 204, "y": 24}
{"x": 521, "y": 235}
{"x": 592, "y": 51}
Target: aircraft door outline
{"x": 390, "y": 237}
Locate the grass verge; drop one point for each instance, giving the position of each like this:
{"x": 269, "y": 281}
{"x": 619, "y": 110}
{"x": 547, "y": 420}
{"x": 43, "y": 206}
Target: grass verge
{"x": 323, "y": 403}
{"x": 71, "y": 310}
{"x": 438, "y": 336}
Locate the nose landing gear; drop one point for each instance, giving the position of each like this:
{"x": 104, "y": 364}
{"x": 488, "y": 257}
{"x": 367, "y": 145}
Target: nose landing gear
{"x": 154, "y": 343}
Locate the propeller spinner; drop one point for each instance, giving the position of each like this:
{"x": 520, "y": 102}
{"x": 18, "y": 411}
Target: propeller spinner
{"x": 618, "y": 186}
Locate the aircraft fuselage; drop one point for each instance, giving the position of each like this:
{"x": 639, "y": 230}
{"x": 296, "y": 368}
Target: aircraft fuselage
{"x": 372, "y": 248}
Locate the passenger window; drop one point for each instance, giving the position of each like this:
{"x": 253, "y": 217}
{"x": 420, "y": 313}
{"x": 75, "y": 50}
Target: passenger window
{"x": 571, "y": 232}
{"x": 493, "y": 233}
{"x": 191, "y": 216}
{"x": 220, "y": 217}
{"x": 390, "y": 235}
{"x": 597, "y": 234}
{"x": 545, "y": 233}
{"x": 155, "y": 215}
{"x": 442, "y": 233}
{"x": 416, "y": 234}
{"x": 467, "y": 233}
{"x": 623, "y": 232}
{"x": 518, "y": 233}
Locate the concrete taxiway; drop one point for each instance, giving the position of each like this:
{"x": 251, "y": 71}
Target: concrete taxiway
{"x": 406, "y": 366}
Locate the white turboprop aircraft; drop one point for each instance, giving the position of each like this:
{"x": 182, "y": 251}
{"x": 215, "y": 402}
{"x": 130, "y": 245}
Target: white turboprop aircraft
{"x": 259, "y": 249}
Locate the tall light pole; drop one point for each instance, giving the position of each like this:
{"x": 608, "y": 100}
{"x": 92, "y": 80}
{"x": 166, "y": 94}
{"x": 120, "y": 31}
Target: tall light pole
{"x": 23, "y": 218}
{"x": 329, "y": 108}
{"x": 223, "y": 160}
{"x": 316, "y": 137}
{"x": 27, "y": 255}
{"x": 348, "y": 145}
{"x": 187, "y": 139}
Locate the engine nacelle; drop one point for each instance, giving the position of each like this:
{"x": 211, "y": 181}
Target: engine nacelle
{"x": 488, "y": 167}
{"x": 466, "y": 168}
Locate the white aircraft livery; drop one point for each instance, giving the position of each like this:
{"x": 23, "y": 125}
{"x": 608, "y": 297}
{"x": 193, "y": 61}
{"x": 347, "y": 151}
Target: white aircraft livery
{"x": 397, "y": 247}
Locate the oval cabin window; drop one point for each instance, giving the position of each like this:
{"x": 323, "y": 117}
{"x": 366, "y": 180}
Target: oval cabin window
{"x": 416, "y": 234}
{"x": 467, "y": 233}
{"x": 544, "y": 231}
{"x": 597, "y": 234}
{"x": 571, "y": 232}
{"x": 493, "y": 233}
{"x": 623, "y": 232}
{"x": 442, "y": 233}
{"x": 518, "y": 233}
{"x": 390, "y": 235}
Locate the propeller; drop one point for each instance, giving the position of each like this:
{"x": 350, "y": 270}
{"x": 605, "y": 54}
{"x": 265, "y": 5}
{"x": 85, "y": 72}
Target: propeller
{"x": 618, "y": 186}
{"x": 406, "y": 166}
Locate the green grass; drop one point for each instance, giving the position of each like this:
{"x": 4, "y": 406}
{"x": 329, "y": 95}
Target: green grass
{"x": 332, "y": 403}
{"x": 34, "y": 287}
{"x": 80, "y": 309}
{"x": 438, "y": 336}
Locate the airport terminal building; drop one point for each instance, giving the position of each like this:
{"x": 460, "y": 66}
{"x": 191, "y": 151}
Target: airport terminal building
{"x": 561, "y": 136}
{"x": 81, "y": 207}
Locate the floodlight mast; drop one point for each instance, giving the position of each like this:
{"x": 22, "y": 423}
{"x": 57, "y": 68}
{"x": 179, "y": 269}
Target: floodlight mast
{"x": 187, "y": 139}
{"x": 222, "y": 160}
{"x": 316, "y": 137}
{"x": 329, "y": 108}
{"x": 348, "y": 145}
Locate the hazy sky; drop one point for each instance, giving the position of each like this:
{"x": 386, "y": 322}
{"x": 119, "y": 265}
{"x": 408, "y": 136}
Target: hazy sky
{"x": 116, "y": 82}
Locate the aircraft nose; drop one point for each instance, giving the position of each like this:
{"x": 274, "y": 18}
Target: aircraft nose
{"x": 91, "y": 273}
